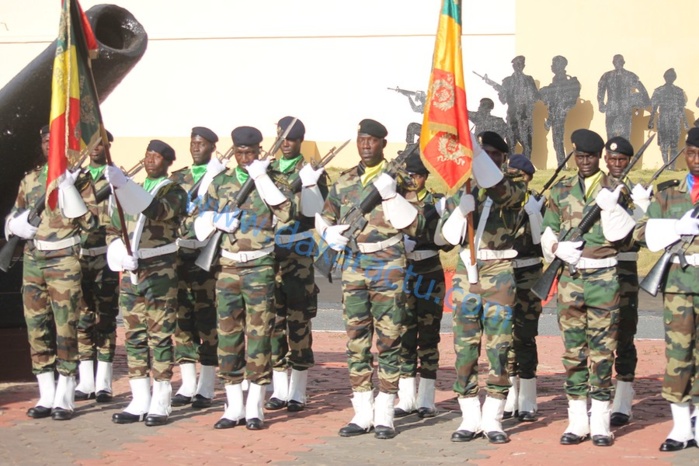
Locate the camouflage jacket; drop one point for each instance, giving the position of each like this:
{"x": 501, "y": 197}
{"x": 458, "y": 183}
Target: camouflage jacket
{"x": 565, "y": 210}
{"x": 185, "y": 179}
{"x": 162, "y": 219}
{"x": 426, "y": 207}
{"x": 54, "y": 226}
{"x": 98, "y": 237}
{"x": 673, "y": 202}
{"x": 256, "y": 229}
{"x": 347, "y": 194}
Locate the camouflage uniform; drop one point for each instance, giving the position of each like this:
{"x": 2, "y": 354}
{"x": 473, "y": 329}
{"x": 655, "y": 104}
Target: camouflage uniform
{"x": 51, "y": 281}
{"x": 149, "y": 308}
{"x": 588, "y": 301}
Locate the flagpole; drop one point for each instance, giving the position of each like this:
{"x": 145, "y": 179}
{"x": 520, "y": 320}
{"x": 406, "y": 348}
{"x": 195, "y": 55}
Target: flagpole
{"x": 469, "y": 228}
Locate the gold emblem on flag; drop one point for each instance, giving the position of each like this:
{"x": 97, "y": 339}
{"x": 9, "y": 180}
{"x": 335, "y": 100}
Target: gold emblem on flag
{"x": 444, "y": 92}
{"x": 450, "y": 150}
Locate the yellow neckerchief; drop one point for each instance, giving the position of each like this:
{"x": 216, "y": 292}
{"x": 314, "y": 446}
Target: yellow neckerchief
{"x": 151, "y": 183}
{"x": 241, "y": 175}
{"x": 286, "y": 165}
{"x": 96, "y": 172}
{"x": 372, "y": 172}
{"x": 198, "y": 171}
{"x": 421, "y": 194}
{"x": 591, "y": 182}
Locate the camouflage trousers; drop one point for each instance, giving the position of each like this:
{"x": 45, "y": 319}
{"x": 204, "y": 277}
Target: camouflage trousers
{"x": 149, "y": 309}
{"x": 195, "y": 335}
{"x": 52, "y": 298}
{"x": 485, "y": 309}
{"x": 423, "y": 317}
{"x": 681, "y": 319}
{"x": 626, "y": 355}
{"x": 588, "y": 314}
{"x": 97, "y": 323}
{"x": 245, "y": 310}
{"x": 296, "y": 303}
{"x": 523, "y": 359}
{"x": 374, "y": 301}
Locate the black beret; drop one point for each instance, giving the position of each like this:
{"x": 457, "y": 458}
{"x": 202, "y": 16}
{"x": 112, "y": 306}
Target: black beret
{"x": 246, "y": 136}
{"x": 372, "y": 128}
{"x": 693, "y": 137}
{"x": 414, "y": 164}
{"x": 493, "y": 139}
{"x": 110, "y": 138}
{"x": 298, "y": 131}
{"x": 162, "y": 148}
{"x": 44, "y": 130}
{"x": 206, "y": 133}
{"x": 520, "y": 162}
{"x": 619, "y": 145}
{"x": 587, "y": 141}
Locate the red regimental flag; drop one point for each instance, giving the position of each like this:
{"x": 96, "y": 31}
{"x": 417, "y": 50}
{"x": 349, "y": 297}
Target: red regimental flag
{"x": 445, "y": 140}
{"x": 75, "y": 117}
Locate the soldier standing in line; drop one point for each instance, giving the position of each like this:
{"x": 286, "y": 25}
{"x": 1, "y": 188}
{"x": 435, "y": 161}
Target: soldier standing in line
{"x": 100, "y": 288}
{"x": 148, "y": 286}
{"x": 195, "y": 334}
{"x": 523, "y": 359}
{"x": 372, "y": 287}
{"x": 245, "y": 283}
{"x": 669, "y": 101}
{"x": 669, "y": 219}
{"x": 295, "y": 291}
{"x": 588, "y": 299}
{"x": 425, "y": 289}
{"x": 486, "y": 296}
{"x": 51, "y": 282}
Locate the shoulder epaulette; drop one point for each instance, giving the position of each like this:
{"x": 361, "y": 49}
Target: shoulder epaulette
{"x": 347, "y": 171}
{"x": 667, "y": 184}
{"x": 180, "y": 170}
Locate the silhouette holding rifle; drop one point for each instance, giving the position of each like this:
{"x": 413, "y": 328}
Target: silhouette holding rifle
{"x": 417, "y": 103}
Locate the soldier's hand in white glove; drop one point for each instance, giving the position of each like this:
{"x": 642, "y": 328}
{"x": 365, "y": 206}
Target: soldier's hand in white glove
{"x": 20, "y": 226}
{"x": 467, "y": 204}
{"x": 69, "y": 179}
{"x": 441, "y": 206}
{"x": 606, "y": 199}
{"x": 309, "y": 176}
{"x": 258, "y": 168}
{"x": 386, "y": 186}
{"x": 569, "y": 251}
{"x": 640, "y": 193}
{"x": 333, "y": 236}
{"x": 409, "y": 243}
{"x": 129, "y": 263}
{"x": 115, "y": 176}
{"x": 227, "y": 222}
{"x": 215, "y": 165}
{"x": 687, "y": 225}
{"x": 533, "y": 205}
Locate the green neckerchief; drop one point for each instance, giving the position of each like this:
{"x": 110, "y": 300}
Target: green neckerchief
{"x": 96, "y": 172}
{"x": 198, "y": 171}
{"x": 241, "y": 175}
{"x": 151, "y": 183}
{"x": 591, "y": 182}
{"x": 44, "y": 173}
{"x": 285, "y": 165}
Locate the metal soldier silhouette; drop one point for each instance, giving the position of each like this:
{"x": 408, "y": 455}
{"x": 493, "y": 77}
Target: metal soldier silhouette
{"x": 560, "y": 96}
{"x": 668, "y": 101}
{"x": 625, "y": 92}
{"x": 417, "y": 103}
{"x": 484, "y": 121}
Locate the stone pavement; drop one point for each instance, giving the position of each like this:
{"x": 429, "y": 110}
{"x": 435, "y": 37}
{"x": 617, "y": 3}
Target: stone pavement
{"x": 310, "y": 437}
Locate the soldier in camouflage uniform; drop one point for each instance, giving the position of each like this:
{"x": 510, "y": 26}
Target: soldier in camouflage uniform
{"x": 195, "y": 334}
{"x": 148, "y": 287}
{"x": 245, "y": 283}
{"x": 483, "y": 299}
{"x": 372, "y": 280}
{"x": 669, "y": 219}
{"x": 295, "y": 291}
{"x": 588, "y": 299}
{"x": 100, "y": 288}
{"x": 51, "y": 281}
{"x": 523, "y": 359}
{"x": 425, "y": 288}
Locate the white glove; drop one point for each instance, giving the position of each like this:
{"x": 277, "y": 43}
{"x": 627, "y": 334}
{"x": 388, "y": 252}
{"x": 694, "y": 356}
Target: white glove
{"x": 227, "y": 221}
{"x": 687, "y": 225}
{"x": 115, "y": 176}
{"x": 569, "y": 252}
{"x": 129, "y": 263}
{"x": 386, "y": 186}
{"x": 441, "y": 206}
{"x": 20, "y": 226}
{"x": 258, "y": 168}
{"x": 409, "y": 244}
{"x": 69, "y": 179}
{"x": 608, "y": 200}
{"x": 641, "y": 196}
{"x": 467, "y": 204}
{"x": 533, "y": 206}
{"x": 309, "y": 176}
{"x": 333, "y": 236}
{"x": 215, "y": 166}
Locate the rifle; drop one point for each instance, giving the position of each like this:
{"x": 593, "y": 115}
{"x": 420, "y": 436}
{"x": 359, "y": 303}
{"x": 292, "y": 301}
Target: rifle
{"x": 402, "y": 91}
{"x": 7, "y": 253}
{"x": 194, "y": 190}
{"x": 355, "y": 216}
{"x": 490, "y": 82}
{"x": 542, "y": 287}
{"x": 327, "y": 158}
{"x": 665, "y": 165}
{"x": 106, "y": 190}
{"x": 208, "y": 253}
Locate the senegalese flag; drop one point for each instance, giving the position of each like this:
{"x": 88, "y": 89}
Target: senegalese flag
{"x": 75, "y": 117}
{"x": 445, "y": 140}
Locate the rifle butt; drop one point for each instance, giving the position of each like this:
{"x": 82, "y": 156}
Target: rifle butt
{"x": 326, "y": 262}
{"x": 7, "y": 253}
{"x": 652, "y": 282}
{"x": 209, "y": 252}
{"x": 542, "y": 287}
